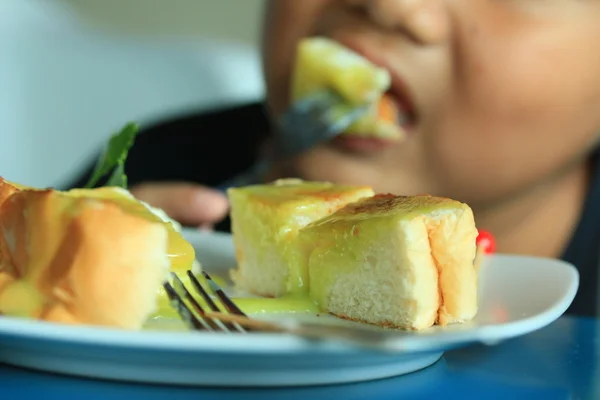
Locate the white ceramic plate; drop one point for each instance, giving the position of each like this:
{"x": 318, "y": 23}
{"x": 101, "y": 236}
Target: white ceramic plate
{"x": 518, "y": 295}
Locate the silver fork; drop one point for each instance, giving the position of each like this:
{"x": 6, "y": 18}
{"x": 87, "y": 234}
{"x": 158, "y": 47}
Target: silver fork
{"x": 308, "y": 122}
{"x": 230, "y": 319}
{"x": 194, "y": 314}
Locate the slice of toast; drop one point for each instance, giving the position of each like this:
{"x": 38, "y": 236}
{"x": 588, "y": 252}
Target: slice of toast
{"x": 79, "y": 260}
{"x": 404, "y": 262}
{"x": 89, "y": 256}
{"x": 265, "y": 222}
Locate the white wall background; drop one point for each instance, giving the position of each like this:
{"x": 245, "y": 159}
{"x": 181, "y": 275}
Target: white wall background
{"x": 237, "y": 20}
{"x": 74, "y": 71}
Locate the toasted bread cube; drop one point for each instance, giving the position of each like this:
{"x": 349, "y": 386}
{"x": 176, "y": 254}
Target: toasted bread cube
{"x": 322, "y": 63}
{"x": 265, "y": 222}
{"x": 80, "y": 259}
{"x": 404, "y": 262}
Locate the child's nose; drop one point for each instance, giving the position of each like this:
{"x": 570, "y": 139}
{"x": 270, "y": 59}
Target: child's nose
{"x": 426, "y": 21}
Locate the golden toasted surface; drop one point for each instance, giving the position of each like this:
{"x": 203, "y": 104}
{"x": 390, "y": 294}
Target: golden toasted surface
{"x": 6, "y": 190}
{"x": 180, "y": 252}
{"x": 41, "y": 226}
{"x": 290, "y": 193}
{"x": 384, "y": 205}
{"x": 78, "y": 259}
{"x": 265, "y": 222}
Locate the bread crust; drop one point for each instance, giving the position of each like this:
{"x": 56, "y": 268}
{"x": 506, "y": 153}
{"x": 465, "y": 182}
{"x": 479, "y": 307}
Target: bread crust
{"x": 437, "y": 248}
{"x": 78, "y": 260}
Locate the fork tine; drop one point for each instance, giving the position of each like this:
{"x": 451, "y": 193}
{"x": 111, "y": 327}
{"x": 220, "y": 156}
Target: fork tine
{"x": 228, "y": 321}
{"x": 320, "y": 99}
{"x": 316, "y": 118}
{"x": 183, "y": 310}
{"x": 363, "y": 336}
{"x": 202, "y": 292}
{"x": 211, "y": 304}
{"x": 188, "y": 296}
{"x": 230, "y": 305}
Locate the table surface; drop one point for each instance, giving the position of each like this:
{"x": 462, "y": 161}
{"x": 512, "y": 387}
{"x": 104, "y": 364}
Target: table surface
{"x": 560, "y": 361}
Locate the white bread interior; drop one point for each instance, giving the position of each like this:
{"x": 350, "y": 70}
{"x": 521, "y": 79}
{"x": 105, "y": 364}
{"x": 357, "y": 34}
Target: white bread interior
{"x": 403, "y": 262}
{"x": 265, "y": 222}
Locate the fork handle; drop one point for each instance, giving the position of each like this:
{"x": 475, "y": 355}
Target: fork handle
{"x": 364, "y": 337}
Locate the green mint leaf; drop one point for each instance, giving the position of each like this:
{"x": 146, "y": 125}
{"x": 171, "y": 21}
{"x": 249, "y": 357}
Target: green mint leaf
{"x": 114, "y": 156}
{"x": 118, "y": 177}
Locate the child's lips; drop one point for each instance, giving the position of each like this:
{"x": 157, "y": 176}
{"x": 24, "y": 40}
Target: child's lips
{"x": 369, "y": 142}
{"x": 400, "y": 94}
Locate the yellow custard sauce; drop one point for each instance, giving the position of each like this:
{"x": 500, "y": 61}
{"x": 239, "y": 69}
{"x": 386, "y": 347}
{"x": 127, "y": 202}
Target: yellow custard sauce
{"x": 285, "y": 304}
{"x": 180, "y": 252}
{"x": 166, "y": 318}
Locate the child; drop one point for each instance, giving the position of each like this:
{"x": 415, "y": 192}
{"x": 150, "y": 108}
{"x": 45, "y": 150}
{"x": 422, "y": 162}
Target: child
{"x": 503, "y": 100}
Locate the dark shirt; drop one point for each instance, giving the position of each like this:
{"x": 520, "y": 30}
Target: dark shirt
{"x": 208, "y": 148}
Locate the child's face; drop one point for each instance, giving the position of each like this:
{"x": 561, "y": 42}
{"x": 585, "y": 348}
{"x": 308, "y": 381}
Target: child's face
{"x": 506, "y": 92}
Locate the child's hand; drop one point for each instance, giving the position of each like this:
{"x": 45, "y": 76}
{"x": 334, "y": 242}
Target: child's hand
{"x": 187, "y": 203}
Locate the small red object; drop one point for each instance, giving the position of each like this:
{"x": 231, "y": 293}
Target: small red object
{"x": 486, "y": 240}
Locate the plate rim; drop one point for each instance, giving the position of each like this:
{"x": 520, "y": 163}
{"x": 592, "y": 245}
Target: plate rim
{"x": 28, "y": 329}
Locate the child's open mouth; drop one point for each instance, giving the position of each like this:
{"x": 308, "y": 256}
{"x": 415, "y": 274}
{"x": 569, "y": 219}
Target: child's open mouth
{"x": 396, "y": 116}
{"x": 361, "y": 77}
{"x": 405, "y": 110}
